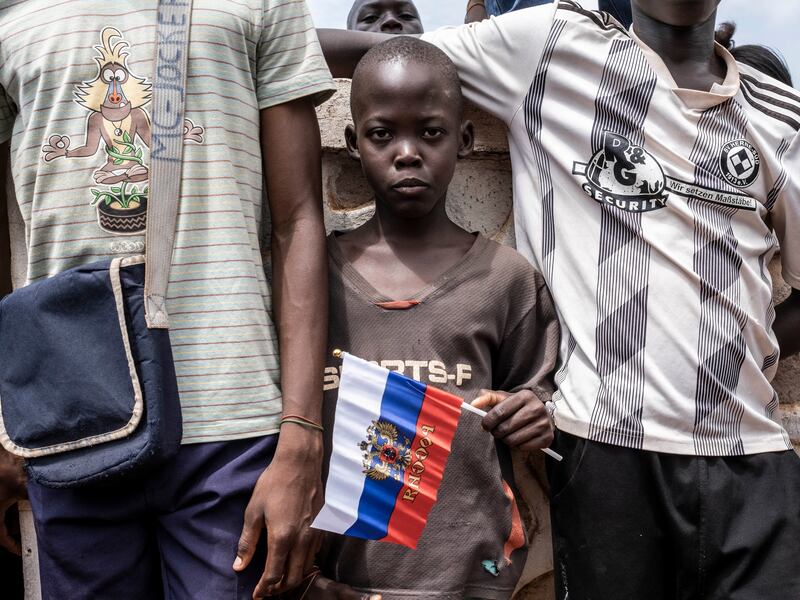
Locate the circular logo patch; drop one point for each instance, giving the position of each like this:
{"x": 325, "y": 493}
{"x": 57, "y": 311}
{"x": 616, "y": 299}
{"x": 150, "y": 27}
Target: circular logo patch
{"x": 740, "y": 163}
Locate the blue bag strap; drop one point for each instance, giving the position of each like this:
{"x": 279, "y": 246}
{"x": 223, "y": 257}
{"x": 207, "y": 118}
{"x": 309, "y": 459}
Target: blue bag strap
{"x": 166, "y": 152}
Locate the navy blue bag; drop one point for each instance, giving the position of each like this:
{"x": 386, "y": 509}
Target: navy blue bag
{"x": 88, "y": 392}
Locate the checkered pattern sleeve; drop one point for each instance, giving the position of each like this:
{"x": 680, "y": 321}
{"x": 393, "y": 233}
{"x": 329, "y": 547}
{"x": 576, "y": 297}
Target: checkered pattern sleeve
{"x": 290, "y": 64}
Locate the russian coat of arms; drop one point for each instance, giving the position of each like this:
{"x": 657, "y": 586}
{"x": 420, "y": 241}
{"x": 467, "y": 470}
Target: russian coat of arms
{"x": 385, "y": 454}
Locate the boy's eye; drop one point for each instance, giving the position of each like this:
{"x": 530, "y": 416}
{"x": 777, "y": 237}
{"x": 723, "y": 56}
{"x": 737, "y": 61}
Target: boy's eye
{"x": 432, "y": 133}
{"x": 369, "y": 19}
{"x": 380, "y": 135}
{"x": 408, "y": 17}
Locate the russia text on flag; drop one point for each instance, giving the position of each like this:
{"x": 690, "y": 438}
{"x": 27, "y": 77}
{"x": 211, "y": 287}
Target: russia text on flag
{"x": 391, "y": 441}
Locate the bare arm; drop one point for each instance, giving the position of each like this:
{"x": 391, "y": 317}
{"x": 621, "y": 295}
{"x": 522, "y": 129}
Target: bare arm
{"x": 288, "y": 495}
{"x": 343, "y": 49}
{"x": 476, "y": 11}
{"x": 787, "y": 324}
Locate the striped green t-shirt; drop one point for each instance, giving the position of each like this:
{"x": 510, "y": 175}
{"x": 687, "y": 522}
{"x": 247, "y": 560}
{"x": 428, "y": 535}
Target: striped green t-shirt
{"x": 75, "y": 96}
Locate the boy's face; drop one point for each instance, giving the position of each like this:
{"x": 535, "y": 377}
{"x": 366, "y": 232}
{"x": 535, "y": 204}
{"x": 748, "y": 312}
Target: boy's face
{"x": 408, "y": 136}
{"x": 385, "y": 16}
{"x": 678, "y": 13}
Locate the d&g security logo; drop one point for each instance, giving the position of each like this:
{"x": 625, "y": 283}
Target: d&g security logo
{"x": 626, "y": 176}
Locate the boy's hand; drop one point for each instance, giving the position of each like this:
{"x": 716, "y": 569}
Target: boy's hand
{"x": 12, "y": 490}
{"x": 518, "y": 420}
{"x": 287, "y": 497}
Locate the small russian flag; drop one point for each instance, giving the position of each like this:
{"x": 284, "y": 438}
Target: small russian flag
{"x": 391, "y": 441}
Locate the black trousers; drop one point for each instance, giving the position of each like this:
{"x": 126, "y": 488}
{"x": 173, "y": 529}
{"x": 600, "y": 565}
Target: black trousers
{"x": 637, "y": 525}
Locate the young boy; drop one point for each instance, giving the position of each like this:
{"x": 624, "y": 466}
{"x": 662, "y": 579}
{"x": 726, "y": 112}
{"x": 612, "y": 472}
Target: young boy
{"x": 416, "y": 293}
{"x": 385, "y": 16}
{"x": 654, "y": 179}
{"x": 80, "y": 72}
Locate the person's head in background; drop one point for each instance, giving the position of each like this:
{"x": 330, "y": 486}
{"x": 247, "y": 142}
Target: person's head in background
{"x": 385, "y": 16}
{"x": 760, "y": 58}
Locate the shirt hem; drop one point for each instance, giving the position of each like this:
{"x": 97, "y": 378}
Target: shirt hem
{"x": 320, "y": 90}
{"x": 581, "y": 429}
{"x": 227, "y": 437}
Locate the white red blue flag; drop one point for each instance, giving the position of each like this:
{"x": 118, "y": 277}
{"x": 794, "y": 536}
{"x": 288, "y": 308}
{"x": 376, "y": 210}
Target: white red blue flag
{"x": 391, "y": 441}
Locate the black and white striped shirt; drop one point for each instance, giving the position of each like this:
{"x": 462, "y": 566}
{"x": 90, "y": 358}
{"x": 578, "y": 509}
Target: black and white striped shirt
{"x": 653, "y": 213}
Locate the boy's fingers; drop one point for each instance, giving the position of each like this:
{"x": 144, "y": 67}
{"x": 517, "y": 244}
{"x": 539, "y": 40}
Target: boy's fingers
{"x": 535, "y": 435}
{"x": 251, "y": 531}
{"x": 536, "y": 444}
{"x": 297, "y": 561}
{"x": 488, "y": 399}
{"x": 524, "y": 417}
{"x": 311, "y": 556}
{"x": 503, "y": 410}
{"x": 277, "y": 553}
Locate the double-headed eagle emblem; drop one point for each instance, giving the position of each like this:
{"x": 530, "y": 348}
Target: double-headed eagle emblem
{"x": 384, "y": 454}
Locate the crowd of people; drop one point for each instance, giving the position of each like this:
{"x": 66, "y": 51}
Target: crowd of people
{"x": 633, "y": 329}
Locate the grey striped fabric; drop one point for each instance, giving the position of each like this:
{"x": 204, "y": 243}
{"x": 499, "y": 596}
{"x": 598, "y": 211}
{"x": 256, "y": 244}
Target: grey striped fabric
{"x": 75, "y": 99}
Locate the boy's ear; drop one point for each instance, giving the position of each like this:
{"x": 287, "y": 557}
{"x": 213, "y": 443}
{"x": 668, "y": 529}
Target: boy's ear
{"x": 351, "y": 140}
{"x": 467, "y": 141}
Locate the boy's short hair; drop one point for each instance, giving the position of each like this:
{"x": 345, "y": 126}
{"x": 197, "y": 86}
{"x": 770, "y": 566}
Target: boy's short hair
{"x": 406, "y": 49}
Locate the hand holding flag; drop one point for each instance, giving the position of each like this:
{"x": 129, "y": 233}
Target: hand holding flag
{"x": 391, "y": 441}
{"x": 519, "y": 420}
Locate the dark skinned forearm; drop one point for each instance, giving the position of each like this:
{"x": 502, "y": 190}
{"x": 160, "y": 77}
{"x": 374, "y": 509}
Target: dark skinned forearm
{"x": 299, "y": 256}
{"x": 787, "y": 324}
{"x": 475, "y": 14}
{"x": 343, "y": 49}
{"x": 288, "y": 494}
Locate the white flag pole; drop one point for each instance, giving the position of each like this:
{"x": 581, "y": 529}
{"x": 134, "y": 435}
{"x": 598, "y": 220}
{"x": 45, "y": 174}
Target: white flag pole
{"x": 551, "y": 453}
